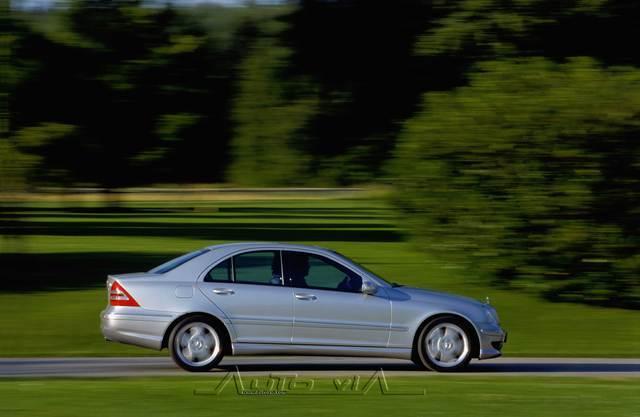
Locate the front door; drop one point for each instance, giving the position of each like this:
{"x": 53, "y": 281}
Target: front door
{"x": 329, "y": 307}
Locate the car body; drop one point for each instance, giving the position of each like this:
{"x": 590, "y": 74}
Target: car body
{"x": 276, "y": 298}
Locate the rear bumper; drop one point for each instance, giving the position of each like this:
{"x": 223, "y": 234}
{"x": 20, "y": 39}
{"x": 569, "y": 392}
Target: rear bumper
{"x": 142, "y": 328}
{"x": 492, "y": 338}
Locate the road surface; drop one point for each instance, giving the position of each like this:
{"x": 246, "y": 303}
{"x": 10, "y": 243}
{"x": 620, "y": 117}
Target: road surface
{"x": 317, "y": 366}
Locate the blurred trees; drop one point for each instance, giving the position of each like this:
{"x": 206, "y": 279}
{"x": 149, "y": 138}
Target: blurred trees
{"x": 131, "y": 94}
{"x": 530, "y": 172}
{"x": 507, "y": 127}
{"x": 15, "y": 164}
{"x": 269, "y": 115}
{"x": 348, "y": 72}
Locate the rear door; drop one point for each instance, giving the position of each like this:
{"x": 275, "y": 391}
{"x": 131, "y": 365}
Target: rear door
{"x": 248, "y": 288}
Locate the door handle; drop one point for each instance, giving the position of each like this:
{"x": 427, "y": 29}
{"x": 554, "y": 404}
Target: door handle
{"x": 308, "y": 297}
{"x": 223, "y": 291}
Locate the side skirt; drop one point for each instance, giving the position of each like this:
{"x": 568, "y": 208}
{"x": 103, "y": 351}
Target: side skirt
{"x": 240, "y": 349}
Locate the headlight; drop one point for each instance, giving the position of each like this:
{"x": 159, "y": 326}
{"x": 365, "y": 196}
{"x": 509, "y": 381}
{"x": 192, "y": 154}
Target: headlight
{"x": 492, "y": 315}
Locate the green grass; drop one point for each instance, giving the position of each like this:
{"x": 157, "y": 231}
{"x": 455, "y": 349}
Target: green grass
{"x": 445, "y": 396}
{"x": 54, "y": 259}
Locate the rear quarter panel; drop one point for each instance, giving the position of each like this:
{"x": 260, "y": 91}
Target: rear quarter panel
{"x": 161, "y": 301}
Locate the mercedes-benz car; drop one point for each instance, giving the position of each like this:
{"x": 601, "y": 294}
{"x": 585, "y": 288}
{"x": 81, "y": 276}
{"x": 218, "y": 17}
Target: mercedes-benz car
{"x": 276, "y": 298}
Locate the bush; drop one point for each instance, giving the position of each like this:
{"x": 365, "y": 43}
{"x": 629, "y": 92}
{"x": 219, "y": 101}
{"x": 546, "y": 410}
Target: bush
{"x": 531, "y": 174}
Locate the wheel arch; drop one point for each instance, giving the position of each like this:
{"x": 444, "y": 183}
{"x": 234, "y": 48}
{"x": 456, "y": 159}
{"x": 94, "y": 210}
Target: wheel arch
{"x": 475, "y": 341}
{"x": 219, "y": 324}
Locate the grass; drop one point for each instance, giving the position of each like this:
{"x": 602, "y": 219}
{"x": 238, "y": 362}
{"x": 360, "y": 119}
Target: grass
{"x": 444, "y": 396}
{"x": 54, "y": 258}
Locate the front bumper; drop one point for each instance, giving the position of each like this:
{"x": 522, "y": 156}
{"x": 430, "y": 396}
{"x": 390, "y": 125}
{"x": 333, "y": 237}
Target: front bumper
{"x": 492, "y": 339}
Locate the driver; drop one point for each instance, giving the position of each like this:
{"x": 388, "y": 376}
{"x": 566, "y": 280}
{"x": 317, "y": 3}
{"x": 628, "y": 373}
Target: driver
{"x": 297, "y": 267}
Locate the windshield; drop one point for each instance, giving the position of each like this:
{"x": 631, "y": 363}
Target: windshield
{"x": 176, "y": 262}
{"x": 367, "y": 270}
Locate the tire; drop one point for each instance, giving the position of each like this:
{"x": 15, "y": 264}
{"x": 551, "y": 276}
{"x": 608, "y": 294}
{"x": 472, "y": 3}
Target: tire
{"x": 444, "y": 345}
{"x": 196, "y": 344}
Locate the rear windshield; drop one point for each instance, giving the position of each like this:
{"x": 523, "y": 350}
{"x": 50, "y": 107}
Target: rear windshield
{"x": 174, "y": 263}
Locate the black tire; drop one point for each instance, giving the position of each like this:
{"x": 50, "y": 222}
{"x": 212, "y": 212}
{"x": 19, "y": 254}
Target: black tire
{"x": 422, "y": 358}
{"x": 207, "y": 325}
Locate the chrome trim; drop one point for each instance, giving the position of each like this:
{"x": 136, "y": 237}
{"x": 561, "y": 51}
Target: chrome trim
{"x": 307, "y": 323}
{"x": 247, "y": 321}
{"x": 223, "y": 291}
{"x": 282, "y": 280}
{"x": 137, "y": 317}
{"x": 275, "y": 248}
{"x": 305, "y": 296}
{"x": 348, "y": 326}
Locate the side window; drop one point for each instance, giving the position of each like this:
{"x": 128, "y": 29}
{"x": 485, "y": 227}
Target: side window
{"x": 311, "y": 271}
{"x": 258, "y": 268}
{"x": 220, "y": 273}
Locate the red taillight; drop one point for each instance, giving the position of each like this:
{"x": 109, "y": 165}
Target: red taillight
{"x": 118, "y": 296}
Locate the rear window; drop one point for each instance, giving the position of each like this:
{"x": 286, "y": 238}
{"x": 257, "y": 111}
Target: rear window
{"x": 174, "y": 263}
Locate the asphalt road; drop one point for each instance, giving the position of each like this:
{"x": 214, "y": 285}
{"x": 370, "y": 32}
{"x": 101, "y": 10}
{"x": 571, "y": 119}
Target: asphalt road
{"x": 317, "y": 366}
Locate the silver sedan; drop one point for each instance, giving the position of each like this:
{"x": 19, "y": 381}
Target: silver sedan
{"x": 274, "y": 299}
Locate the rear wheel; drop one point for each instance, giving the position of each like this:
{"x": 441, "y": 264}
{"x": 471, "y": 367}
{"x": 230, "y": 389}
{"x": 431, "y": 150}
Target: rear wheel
{"x": 444, "y": 345}
{"x": 196, "y": 344}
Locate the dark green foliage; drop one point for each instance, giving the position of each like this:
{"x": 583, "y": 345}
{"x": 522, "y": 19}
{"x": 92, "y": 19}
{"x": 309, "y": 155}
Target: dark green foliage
{"x": 269, "y": 116}
{"x": 322, "y": 96}
{"x": 522, "y": 159}
{"x": 481, "y": 29}
{"x": 531, "y": 173}
{"x": 130, "y": 94}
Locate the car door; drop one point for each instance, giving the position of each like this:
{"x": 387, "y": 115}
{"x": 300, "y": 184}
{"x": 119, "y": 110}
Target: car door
{"x": 329, "y": 307}
{"x": 248, "y": 288}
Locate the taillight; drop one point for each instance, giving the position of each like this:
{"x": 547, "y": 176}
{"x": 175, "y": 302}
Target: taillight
{"x": 118, "y": 296}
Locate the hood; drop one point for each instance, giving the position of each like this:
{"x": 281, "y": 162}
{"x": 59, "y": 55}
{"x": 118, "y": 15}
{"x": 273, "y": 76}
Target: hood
{"x": 440, "y": 298}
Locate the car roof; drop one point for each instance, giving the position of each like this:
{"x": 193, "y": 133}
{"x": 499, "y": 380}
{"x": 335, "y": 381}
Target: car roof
{"x": 276, "y": 245}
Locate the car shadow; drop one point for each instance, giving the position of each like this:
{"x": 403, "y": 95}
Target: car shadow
{"x": 323, "y": 367}
{"x": 512, "y": 367}
{"x": 554, "y": 367}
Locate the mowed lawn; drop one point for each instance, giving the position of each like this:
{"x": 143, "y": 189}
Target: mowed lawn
{"x": 54, "y": 258}
{"x": 443, "y": 396}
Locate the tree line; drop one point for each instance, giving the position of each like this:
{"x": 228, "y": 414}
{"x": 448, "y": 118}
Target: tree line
{"x": 508, "y": 129}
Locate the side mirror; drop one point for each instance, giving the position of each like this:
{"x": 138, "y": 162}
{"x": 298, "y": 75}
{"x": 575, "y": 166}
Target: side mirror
{"x": 369, "y": 288}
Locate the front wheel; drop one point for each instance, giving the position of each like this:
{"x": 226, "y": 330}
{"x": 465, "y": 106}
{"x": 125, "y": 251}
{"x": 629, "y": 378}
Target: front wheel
{"x": 444, "y": 345}
{"x": 196, "y": 345}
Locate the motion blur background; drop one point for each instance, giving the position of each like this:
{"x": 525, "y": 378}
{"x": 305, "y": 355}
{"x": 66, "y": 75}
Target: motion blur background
{"x": 483, "y": 147}
{"x": 480, "y": 146}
